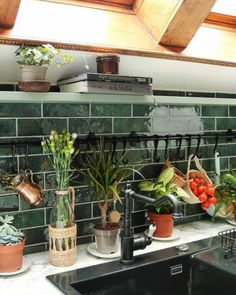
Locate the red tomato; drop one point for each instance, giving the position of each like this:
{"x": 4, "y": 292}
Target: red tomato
{"x": 202, "y": 197}
{"x": 197, "y": 180}
{"x": 195, "y": 192}
{"x": 212, "y": 200}
{"x": 192, "y": 184}
{"x": 209, "y": 185}
{"x": 192, "y": 175}
{"x": 205, "y": 205}
{"x": 210, "y": 191}
{"x": 201, "y": 189}
{"x": 202, "y": 181}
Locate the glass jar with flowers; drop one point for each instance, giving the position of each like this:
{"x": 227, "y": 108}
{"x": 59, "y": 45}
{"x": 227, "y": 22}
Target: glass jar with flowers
{"x": 62, "y": 229}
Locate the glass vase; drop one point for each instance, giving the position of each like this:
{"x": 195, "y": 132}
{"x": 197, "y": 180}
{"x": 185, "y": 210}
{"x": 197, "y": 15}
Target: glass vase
{"x": 62, "y": 214}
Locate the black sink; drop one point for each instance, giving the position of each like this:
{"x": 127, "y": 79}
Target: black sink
{"x": 163, "y": 272}
{"x": 212, "y": 273}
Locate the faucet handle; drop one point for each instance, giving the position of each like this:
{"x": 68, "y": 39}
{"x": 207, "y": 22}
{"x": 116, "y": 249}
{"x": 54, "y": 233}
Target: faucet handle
{"x": 151, "y": 230}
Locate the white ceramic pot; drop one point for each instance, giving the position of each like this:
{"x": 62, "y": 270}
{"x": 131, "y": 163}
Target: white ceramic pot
{"x": 32, "y": 73}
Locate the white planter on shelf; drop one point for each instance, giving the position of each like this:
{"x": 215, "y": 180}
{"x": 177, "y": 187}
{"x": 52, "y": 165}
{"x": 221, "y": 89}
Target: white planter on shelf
{"x": 32, "y": 73}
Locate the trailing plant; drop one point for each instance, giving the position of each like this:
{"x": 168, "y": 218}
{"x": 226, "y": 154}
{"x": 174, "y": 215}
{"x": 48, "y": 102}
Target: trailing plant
{"x": 60, "y": 151}
{"x": 105, "y": 175}
{"x": 5, "y": 181}
{"x": 162, "y": 186}
{"x": 44, "y": 54}
{"x": 9, "y": 235}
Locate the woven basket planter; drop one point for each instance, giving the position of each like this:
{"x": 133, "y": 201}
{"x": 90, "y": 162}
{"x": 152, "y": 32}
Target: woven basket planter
{"x": 62, "y": 246}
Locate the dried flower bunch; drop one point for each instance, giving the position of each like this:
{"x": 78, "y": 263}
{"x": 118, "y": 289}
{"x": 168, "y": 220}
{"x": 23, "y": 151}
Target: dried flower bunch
{"x": 60, "y": 150}
{"x": 44, "y": 54}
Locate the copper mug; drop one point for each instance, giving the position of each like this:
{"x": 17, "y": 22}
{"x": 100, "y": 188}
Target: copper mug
{"x": 28, "y": 190}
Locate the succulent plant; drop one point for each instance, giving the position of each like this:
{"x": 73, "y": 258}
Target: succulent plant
{"x": 9, "y": 235}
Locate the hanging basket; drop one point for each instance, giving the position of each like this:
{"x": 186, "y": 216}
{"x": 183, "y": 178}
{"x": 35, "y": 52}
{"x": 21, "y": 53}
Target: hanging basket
{"x": 179, "y": 177}
{"x": 200, "y": 173}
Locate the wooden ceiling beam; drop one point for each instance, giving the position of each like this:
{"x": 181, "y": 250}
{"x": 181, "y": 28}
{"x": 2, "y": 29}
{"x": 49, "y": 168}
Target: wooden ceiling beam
{"x": 185, "y": 22}
{"x": 8, "y": 13}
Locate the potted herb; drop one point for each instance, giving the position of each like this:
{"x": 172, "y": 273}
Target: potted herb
{"x": 34, "y": 62}
{"x": 226, "y": 196}
{"x": 105, "y": 176}
{"x": 163, "y": 215}
{"x": 12, "y": 244}
{"x": 62, "y": 229}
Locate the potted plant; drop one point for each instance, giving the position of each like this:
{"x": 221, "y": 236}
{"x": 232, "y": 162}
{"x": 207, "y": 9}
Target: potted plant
{"x": 105, "y": 175}
{"x": 12, "y": 244}
{"x": 34, "y": 62}
{"x": 62, "y": 229}
{"x": 163, "y": 215}
{"x": 226, "y": 196}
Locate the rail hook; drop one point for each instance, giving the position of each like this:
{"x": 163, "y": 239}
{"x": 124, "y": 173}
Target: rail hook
{"x": 114, "y": 161}
{"x": 155, "y": 155}
{"x": 125, "y": 161}
{"x": 179, "y": 156}
{"x": 189, "y": 141}
{"x": 198, "y": 145}
{"x": 167, "y": 146}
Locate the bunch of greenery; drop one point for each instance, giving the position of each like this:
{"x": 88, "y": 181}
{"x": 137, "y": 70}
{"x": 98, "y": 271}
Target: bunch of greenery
{"x": 9, "y": 235}
{"x": 105, "y": 175}
{"x": 5, "y": 181}
{"x": 60, "y": 151}
{"x": 44, "y": 54}
{"x": 162, "y": 186}
{"x": 226, "y": 191}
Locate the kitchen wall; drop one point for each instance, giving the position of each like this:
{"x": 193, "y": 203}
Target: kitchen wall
{"x": 34, "y": 119}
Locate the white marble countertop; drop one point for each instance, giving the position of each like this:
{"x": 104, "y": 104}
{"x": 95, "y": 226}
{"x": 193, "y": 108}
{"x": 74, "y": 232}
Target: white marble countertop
{"x": 33, "y": 281}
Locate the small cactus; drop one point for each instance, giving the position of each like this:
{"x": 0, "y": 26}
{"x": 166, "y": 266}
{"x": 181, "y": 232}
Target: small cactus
{"x": 9, "y": 235}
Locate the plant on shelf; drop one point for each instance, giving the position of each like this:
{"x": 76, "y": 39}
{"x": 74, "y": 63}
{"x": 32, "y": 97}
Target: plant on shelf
{"x": 226, "y": 195}
{"x": 105, "y": 176}
{"x": 12, "y": 244}
{"x": 34, "y": 62}
{"x": 158, "y": 188}
{"x": 61, "y": 151}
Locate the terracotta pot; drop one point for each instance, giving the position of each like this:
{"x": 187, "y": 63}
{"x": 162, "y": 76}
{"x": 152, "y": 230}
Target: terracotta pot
{"x": 234, "y": 210}
{"x": 11, "y": 257}
{"x": 164, "y": 224}
{"x": 107, "y": 239}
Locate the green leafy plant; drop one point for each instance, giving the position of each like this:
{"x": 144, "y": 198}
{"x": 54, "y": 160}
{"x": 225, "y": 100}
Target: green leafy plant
{"x": 9, "y": 235}
{"x": 162, "y": 186}
{"x": 6, "y": 181}
{"x": 44, "y": 54}
{"x": 105, "y": 175}
{"x": 60, "y": 151}
{"x": 226, "y": 191}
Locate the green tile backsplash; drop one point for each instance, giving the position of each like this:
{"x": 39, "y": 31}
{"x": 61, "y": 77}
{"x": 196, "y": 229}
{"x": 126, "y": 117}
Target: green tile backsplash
{"x": 19, "y": 120}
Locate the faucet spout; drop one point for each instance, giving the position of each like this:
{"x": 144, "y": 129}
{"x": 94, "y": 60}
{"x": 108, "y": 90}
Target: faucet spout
{"x": 128, "y": 242}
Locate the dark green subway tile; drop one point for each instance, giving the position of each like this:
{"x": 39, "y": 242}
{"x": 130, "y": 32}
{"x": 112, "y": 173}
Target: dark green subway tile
{"x": 209, "y": 164}
{"x": 7, "y": 127}
{"x": 85, "y": 227}
{"x": 168, "y": 125}
{"x": 86, "y": 125}
{"x": 36, "y": 163}
{"x": 193, "y": 125}
{"x": 138, "y": 156}
{"x": 200, "y": 94}
{"x": 126, "y": 125}
{"x": 7, "y": 87}
{"x": 83, "y": 211}
{"x": 140, "y": 110}
{"x": 28, "y": 218}
{"x": 138, "y": 218}
{"x": 208, "y": 124}
{"x": 184, "y": 111}
{"x": 27, "y": 127}
{"x": 8, "y": 165}
{"x": 225, "y": 123}
{"x": 9, "y": 203}
{"x": 225, "y": 95}
{"x": 193, "y": 209}
{"x": 227, "y": 150}
{"x": 35, "y": 249}
{"x": 111, "y": 110}
{"x": 84, "y": 194}
{"x": 232, "y": 164}
{"x": 35, "y": 235}
{"x": 20, "y": 110}
{"x": 168, "y": 93}
{"x": 232, "y": 111}
{"x": 85, "y": 240}
{"x": 65, "y": 110}
{"x": 215, "y": 111}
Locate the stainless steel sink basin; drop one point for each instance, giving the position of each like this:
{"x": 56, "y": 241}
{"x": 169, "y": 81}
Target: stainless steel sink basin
{"x": 162, "y": 272}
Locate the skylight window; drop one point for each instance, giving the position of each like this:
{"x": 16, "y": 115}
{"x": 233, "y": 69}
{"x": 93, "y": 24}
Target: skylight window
{"x": 227, "y": 7}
